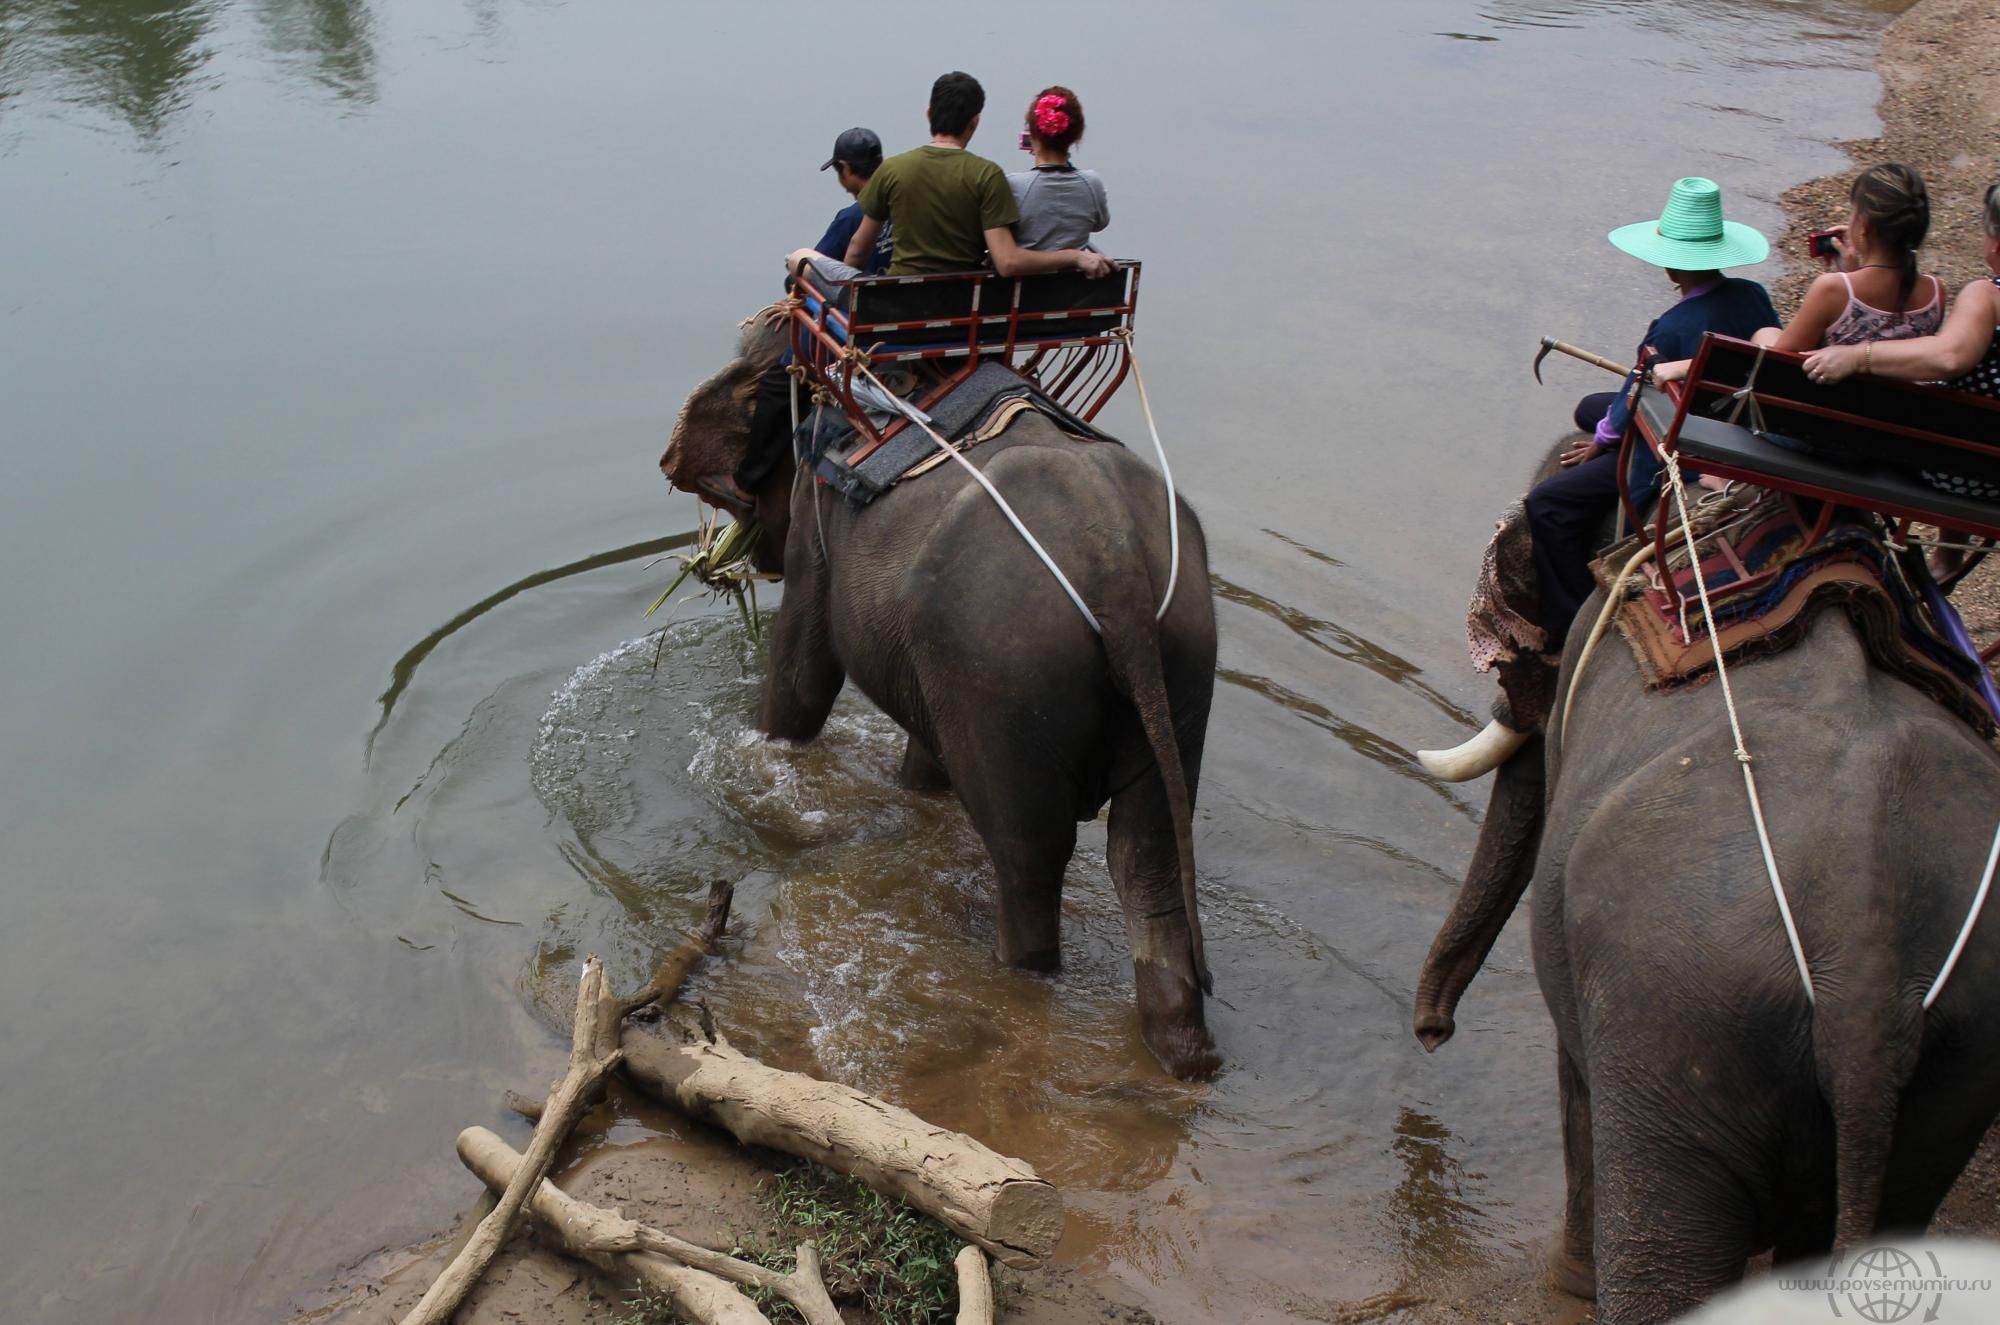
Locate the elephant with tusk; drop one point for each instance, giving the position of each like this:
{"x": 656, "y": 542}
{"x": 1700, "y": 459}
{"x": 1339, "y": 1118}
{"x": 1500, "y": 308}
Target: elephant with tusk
{"x": 1712, "y": 1107}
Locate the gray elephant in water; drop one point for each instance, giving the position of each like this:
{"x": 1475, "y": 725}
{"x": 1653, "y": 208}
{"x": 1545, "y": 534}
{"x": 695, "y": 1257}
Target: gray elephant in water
{"x": 932, "y": 604}
{"x": 1710, "y": 1110}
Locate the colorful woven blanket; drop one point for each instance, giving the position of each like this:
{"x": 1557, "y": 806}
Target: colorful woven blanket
{"x": 1765, "y": 586}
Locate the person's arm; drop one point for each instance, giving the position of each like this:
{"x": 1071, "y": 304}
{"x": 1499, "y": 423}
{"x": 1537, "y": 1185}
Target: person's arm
{"x": 1821, "y": 307}
{"x": 1010, "y": 259}
{"x": 864, "y": 240}
{"x": 1962, "y": 342}
{"x": 827, "y": 270}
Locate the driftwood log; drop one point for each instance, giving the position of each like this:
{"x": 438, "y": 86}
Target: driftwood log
{"x": 593, "y": 1053}
{"x": 975, "y": 1288}
{"x": 986, "y": 1198}
{"x": 607, "y": 1241}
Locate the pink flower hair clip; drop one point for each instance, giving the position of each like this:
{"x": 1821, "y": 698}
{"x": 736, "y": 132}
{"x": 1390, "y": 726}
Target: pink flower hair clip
{"x": 1050, "y": 117}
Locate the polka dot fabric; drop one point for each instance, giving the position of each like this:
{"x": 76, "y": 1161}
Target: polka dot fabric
{"x": 1983, "y": 380}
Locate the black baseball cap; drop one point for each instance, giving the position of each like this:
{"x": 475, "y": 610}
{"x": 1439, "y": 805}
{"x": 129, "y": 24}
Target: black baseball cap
{"x": 854, "y": 147}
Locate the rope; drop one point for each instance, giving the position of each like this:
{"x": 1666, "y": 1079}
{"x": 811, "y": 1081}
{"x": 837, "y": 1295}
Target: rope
{"x": 1612, "y": 599}
{"x": 1735, "y": 726}
{"x": 919, "y": 418}
{"x": 1173, "y": 504}
{"x": 1965, "y": 931}
{"x": 1747, "y": 396}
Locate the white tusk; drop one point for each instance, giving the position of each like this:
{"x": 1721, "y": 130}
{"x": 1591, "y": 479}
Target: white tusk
{"x": 1485, "y": 752}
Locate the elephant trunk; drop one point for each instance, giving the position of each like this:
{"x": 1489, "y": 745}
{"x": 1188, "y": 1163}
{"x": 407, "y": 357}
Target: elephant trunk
{"x": 1501, "y": 867}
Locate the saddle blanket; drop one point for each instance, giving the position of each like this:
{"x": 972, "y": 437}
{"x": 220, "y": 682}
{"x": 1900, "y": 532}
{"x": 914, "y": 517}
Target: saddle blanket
{"x": 977, "y": 409}
{"x": 1765, "y": 586}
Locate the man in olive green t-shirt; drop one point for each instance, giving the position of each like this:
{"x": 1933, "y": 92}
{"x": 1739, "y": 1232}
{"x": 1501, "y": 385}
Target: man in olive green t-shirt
{"x": 952, "y": 208}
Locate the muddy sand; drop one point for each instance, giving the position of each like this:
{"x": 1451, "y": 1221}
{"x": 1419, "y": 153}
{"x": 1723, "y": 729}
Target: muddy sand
{"x": 1940, "y": 110}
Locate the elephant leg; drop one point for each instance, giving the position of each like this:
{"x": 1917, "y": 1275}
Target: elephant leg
{"x": 1937, "y": 1133}
{"x": 1145, "y": 866}
{"x": 804, "y": 676}
{"x": 1674, "y": 1227}
{"x": 1030, "y": 834}
{"x": 1572, "y": 1260}
{"x": 921, "y": 769}
{"x": 1502, "y": 864}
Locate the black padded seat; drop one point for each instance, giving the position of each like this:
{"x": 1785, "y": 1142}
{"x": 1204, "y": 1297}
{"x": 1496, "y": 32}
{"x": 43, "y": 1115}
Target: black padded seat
{"x": 1895, "y": 490}
{"x": 902, "y": 300}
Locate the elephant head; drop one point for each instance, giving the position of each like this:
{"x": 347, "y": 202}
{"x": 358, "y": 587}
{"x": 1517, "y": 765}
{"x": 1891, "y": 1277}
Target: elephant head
{"x": 711, "y": 436}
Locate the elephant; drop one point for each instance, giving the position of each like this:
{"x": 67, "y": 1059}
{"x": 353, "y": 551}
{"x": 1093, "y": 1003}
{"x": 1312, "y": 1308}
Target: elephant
{"x": 1710, "y": 1109}
{"x": 942, "y": 615}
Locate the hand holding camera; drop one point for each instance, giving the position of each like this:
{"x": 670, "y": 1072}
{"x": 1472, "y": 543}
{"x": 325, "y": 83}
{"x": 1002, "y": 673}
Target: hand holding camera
{"x": 1830, "y": 247}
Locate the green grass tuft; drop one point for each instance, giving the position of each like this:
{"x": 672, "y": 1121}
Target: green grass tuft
{"x": 893, "y": 1261}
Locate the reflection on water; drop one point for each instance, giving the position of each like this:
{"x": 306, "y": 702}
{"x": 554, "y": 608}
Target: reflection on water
{"x": 331, "y": 42}
{"x": 1439, "y": 1211}
{"x": 139, "y": 61}
{"x": 143, "y": 62}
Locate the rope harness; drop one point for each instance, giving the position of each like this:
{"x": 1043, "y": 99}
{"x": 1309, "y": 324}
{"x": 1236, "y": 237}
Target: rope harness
{"x": 1742, "y": 752}
{"x": 919, "y": 419}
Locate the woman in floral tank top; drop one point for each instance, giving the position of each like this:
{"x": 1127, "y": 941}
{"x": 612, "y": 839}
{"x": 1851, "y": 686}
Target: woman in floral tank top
{"x": 1964, "y": 354}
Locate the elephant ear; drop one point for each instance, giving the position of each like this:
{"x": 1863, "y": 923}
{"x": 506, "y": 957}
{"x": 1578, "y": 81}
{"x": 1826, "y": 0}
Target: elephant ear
{"x": 711, "y": 435}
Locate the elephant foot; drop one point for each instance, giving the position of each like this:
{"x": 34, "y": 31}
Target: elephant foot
{"x": 1172, "y": 1024}
{"x": 1031, "y": 958}
{"x": 1572, "y": 1271}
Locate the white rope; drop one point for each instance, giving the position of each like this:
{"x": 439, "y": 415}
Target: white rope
{"x": 1736, "y": 727}
{"x": 1612, "y": 600}
{"x": 921, "y": 420}
{"x": 1173, "y": 505}
{"x": 1972, "y": 918}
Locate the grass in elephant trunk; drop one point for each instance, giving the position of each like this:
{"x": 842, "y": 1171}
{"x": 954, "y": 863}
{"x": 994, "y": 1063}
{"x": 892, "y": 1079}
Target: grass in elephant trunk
{"x": 720, "y": 562}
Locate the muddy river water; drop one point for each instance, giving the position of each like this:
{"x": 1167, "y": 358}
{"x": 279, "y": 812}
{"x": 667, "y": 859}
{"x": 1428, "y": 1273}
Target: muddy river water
{"x": 337, "y": 341}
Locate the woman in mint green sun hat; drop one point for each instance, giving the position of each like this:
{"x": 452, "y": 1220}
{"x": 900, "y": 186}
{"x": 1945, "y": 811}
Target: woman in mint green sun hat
{"x": 1693, "y": 242}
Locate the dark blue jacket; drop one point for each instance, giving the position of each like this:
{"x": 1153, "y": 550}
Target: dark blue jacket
{"x": 1737, "y": 307}
{"x": 834, "y": 242}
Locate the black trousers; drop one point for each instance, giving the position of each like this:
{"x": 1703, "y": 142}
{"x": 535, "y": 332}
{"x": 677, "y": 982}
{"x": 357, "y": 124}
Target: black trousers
{"x": 1590, "y": 411}
{"x": 1566, "y": 514}
{"x": 770, "y": 430}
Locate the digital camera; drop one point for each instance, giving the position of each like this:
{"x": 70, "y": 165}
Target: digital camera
{"x": 1820, "y": 244}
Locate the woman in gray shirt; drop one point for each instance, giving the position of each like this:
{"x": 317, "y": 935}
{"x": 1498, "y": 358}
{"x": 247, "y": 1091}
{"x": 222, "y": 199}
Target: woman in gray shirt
{"x": 1061, "y": 206}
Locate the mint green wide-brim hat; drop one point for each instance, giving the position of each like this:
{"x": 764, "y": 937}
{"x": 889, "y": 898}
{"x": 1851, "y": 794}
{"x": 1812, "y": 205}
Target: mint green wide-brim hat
{"x": 1691, "y": 234}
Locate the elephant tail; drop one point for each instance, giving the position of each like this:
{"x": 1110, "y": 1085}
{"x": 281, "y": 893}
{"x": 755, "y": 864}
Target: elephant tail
{"x": 1863, "y": 1072}
{"x": 1135, "y": 661}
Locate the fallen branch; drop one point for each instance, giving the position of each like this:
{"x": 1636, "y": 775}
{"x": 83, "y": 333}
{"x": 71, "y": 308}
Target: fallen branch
{"x": 680, "y": 963}
{"x": 593, "y": 1053}
{"x": 988, "y": 1199}
{"x": 975, "y": 1288}
{"x": 613, "y": 1243}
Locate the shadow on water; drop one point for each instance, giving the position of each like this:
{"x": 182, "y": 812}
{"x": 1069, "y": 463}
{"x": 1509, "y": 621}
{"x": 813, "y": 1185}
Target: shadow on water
{"x": 1341, "y": 643}
{"x": 1369, "y": 745}
{"x": 406, "y": 666}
